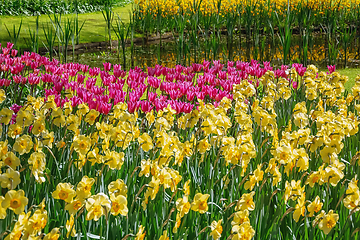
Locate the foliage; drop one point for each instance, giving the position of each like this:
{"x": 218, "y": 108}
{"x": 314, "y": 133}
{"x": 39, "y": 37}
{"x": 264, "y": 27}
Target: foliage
{"x": 38, "y": 7}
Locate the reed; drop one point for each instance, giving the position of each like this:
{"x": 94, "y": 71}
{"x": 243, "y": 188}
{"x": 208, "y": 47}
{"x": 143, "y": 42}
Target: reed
{"x": 194, "y": 27}
{"x": 50, "y": 37}
{"x": 56, "y": 23}
{"x": 256, "y": 39}
{"x": 333, "y": 51}
{"x": 231, "y": 19}
{"x": 272, "y": 41}
{"x": 216, "y": 32}
{"x": 132, "y": 32}
{"x": 108, "y": 15}
{"x": 206, "y": 31}
{"x": 122, "y": 32}
{"x": 357, "y": 23}
{"x": 347, "y": 34}
{"x": 180, "y": 39}
{"x": 285, "y": 35}
{"x": 78, "y": 27}
{"x": 67, "y": 35}
{"x": 34, "y": 36}
{"x": 15, "y": 34}
{"x": 249, "y": 19}
{"x": 215, "y": 43}
{"x": 330, "y": 29}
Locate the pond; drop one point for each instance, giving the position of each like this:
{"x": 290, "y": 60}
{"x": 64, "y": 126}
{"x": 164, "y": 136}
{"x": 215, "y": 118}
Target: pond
{"x": 264, "y": 49}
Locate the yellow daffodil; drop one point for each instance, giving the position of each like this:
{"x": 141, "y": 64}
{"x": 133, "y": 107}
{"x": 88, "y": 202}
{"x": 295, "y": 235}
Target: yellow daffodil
{"x": 37, "y": 162}
{"x": 118, "y": 205}
{"x": 2, "y": 95}
{"x": 91, "y": 116}
{"x": 23, "y": 144}
{"x": 15, "y": 201}
{"x": 246, "y": 202}
{"x": 216, "y": 229}
{"x": 177, "y": 224}
{"x": 58, "y": 117}
{"x": 54, "y": 234}
{"x": 243, "y": 232}
{"x": 352, "y": 199}
{"x": 6, "y": 115}
{"x": 293, "y": 190}
{"x": 15, "y": 130}
{"x": 145, "y": 168}
{"x": 145, "y": 142}
{"x": 2, "y": 209}
{"x": 25, "y": 118}
{"x": 314, "y": 206}
{"x": 299, "y": 208}
{"x": 104, "y": 129}
{"x": 114, "y": 159}
{"x": 83, "y": 189}
{"x": 164, "y": 236}
{"x": 81, "y": 144}
{"x": 203, "y": 146}
{"x": 38, "y": 127}
{"x": 187, "y": 187}
{"x": 140, "y": 235}
{"x": 36, "y": 222}
{"x": 75, "y": 205}
{"x": 97, "y": 206}
{"x": 64, "y": 191}
{"x": 11, "y": 160}
{"x": 47, "y": 138}
{"x": 240, "y": 217}
{"x": 117, "y": 188}
{"x": 200, "y": 203}
{"x": 183, "y": 206}
{"x": 328, "y": 222}
{"x": 70, "y": 228}
{"x": 10, "y": 179}
{"x": 73, "y": 122}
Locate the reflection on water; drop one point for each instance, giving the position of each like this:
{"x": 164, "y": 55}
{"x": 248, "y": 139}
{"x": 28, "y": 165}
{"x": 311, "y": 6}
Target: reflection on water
{"x": 167, "y": 54}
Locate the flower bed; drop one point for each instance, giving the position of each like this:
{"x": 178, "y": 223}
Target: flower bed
{"x": 228, "y": 152}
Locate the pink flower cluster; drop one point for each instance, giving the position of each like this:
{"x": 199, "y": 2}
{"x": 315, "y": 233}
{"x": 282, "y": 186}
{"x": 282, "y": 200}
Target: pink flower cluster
{"x": 146, "y": 90}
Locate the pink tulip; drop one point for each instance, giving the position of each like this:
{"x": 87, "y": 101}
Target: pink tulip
{"x": 154, "y": 82}
{"x": 94, "y": 72}
{"x": 331, "y": 69}
{"x": 105, "y": 108}
{"x": 295, "y": 84}
{"x": 146, "y": 106}
{"x": 152, "y": 96}
{"x": 80, "y": 78}
{"x": 84, "y": 68}
{"x": 33, "y": 79}
{"x": 107, "y": 66}
{"x": 133, "y": 106}
{"x": 14, "y": 52}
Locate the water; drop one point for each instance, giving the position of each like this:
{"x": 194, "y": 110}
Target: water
{"x": 168, "y": 54}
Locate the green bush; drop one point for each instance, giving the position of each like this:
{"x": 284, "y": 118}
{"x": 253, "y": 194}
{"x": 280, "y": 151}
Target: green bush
{"x": 37, "y": 7}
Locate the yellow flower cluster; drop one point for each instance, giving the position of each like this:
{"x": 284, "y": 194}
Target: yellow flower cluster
{"x": 209, "y": 7}
{"x": 155, "y": 7}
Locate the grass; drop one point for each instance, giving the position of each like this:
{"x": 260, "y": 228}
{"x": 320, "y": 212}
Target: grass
{"x": 93, "y": 30}
{"x": 352, "y": 73}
